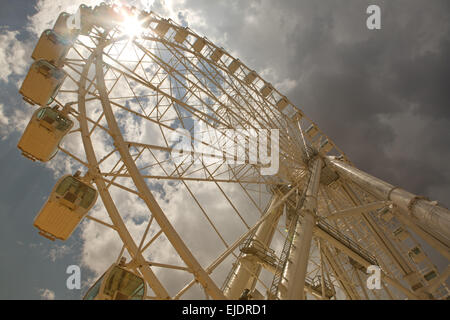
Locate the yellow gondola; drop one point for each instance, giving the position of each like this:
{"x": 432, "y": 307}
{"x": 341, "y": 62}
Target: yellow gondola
{"x": 52, "y": 48}
{"x": 106, "y": 16}
{"x": 117, "y": 283}
{"x": 42, "y": 83}
{"x": 70, "y": 26}
{"x": 86, "y": 19}
{"x": 44, "y": 132}
{"x": 61, "y": 26}
{"x": 69, "y": 202}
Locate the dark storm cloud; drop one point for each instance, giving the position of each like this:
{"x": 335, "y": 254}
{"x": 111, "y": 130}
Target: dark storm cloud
{"x": 360, "y": 86}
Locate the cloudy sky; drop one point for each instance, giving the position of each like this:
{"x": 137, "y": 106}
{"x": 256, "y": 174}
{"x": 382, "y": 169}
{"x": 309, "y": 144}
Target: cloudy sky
{"x": 380, "y": 94}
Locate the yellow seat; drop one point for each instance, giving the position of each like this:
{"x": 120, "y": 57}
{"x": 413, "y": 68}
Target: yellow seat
{"x": 68, "y": 203}
{"x": 42, "y": 83}
{"x": 51, "y": 47}
{"x": 43, "y": 134}
{"x": 117, "y": 283}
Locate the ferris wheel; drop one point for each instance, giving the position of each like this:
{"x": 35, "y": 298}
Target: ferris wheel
{"x": 239, "y": 194}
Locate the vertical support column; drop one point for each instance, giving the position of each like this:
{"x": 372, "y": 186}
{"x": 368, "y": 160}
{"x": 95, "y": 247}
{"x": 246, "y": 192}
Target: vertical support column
{"x": 247, "y": 268}
{"x": 295, "y": 271}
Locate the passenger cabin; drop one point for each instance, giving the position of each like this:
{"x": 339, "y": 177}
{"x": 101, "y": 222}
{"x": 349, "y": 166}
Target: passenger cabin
{"x": 107, "y": 17}
{"x": 162, "y": 27}
{"x": 386, "y": 214}
{"x": 52, "y": 48}
{"x": 417, "y": 255}
{"x": 266, "y": 90}
{"x": 282, "y": 103}
{"x": 61, "y": 27}
{"x": 44, "y": 132}
{"x": 69, "y": 202}
{"x": 312, "y": 131}
{"x": 401, "y": 234}
{"x": 325, "y": 146}
{"x": 217, "y": 54}
{"x": 250, "y": 77}
{"x": 181, "y": 35}
{"x": 70, "y": 26}
{"x": 86, "y": 16}
{"x": 234, "y": 65}
{"x": 199, "y": 44}
{"x": 117, "y": 283}
{"x": 430, "y": 275}
{"x": 42, "y": 83}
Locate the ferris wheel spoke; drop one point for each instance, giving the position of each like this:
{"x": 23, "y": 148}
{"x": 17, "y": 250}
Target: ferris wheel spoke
{"x": 153, "y": 239}
{"x": 102, "y": 222}
{"x": 200, "y": 206}
{"x": 253, "y": 111}
{"x": 202, "y": 168}
{"x": 204, "y": 88}
{"x": 236, "y": 117}
{"x": 170, "y": 69}
{"x": 141, "y": 81}
{"x": 73, "y": 157}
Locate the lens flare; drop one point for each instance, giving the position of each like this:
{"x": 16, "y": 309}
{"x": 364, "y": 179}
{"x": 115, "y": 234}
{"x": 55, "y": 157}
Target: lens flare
{"x": 130, "y": 22}
{"x": 132, "y": 26}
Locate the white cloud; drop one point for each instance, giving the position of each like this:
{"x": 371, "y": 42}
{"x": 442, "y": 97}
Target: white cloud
{"x": 13, "y": 121}
{"x": 4, "y": 121}
{"x": 59, "y": 251}
{"x": 47, "y": 294}
{"x": 13, "y": 55}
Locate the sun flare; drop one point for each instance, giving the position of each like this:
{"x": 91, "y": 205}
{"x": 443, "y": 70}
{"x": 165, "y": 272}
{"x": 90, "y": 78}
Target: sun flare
{"x": 132, "y": 26}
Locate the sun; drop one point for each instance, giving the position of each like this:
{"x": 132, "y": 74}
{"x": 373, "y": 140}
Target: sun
{"x": 131, "y": 24}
